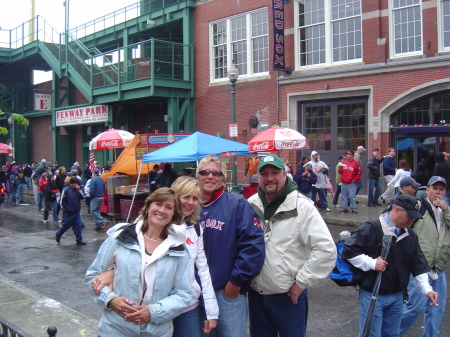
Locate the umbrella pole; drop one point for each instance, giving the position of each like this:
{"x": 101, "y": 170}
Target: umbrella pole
{"x": 135, "y": 191}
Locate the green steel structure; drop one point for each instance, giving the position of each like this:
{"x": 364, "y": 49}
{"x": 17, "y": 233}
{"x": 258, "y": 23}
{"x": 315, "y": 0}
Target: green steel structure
{"x": 137, "y": 60}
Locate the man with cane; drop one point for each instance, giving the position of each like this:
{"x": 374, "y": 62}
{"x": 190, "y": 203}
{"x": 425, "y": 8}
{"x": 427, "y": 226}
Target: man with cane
{"x": 364, "y": 250}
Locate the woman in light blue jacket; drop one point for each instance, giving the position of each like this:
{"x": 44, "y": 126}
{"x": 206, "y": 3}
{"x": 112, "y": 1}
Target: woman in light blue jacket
{"x": 151, "y": 272}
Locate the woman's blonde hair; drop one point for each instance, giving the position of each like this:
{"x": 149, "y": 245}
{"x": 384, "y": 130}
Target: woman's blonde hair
{"x": 185, "y": 186}
{"x": 213, "y": 159}
{"x": 161, "y": 194}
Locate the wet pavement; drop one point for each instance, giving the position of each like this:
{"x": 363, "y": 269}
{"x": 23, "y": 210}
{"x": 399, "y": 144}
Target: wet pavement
{"x": 42, "y": 283}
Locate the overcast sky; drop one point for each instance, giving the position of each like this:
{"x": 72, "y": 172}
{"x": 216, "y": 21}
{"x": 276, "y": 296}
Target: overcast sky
{"x": 15, "y": 12}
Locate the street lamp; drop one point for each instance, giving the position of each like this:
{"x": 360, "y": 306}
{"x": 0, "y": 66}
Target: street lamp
{"x": 11, "y": 122}
{"x": 233, "y": 74}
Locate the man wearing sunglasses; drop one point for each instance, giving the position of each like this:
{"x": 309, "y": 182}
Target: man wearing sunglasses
{"x": 234, "y": 246}
{"x": 299, "y": 252}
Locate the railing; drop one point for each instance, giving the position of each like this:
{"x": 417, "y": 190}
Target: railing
{"x": 120, "y": 16}
{"x": 8, "y": 329}
{"x": 146, "y": 59}
{"x": 34, "y": 29}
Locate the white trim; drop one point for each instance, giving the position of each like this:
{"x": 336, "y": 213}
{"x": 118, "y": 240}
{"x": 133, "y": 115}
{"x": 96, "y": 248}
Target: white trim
{"x": 392, "y": 40}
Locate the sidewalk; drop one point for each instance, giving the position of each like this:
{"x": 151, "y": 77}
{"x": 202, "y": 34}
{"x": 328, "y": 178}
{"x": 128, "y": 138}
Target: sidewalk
{"x": 34, "y": 313}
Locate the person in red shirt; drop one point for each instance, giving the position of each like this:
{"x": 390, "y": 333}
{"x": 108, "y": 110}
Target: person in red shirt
{"x": 41, "y": 190}
{"x": 350, "y": 176}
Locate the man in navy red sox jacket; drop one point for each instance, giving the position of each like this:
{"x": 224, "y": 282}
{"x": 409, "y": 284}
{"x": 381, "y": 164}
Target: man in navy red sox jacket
{"x": 234, "y": 246}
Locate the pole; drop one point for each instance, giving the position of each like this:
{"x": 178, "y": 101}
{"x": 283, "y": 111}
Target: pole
{"x": 233, "y": 121}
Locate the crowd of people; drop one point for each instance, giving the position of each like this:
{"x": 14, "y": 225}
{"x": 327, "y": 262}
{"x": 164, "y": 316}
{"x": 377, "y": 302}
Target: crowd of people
{"x": 200, "y": 260}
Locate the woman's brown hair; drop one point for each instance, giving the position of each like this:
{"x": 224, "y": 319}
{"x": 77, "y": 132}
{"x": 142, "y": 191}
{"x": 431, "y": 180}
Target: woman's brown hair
{"x": 161, "y": 194}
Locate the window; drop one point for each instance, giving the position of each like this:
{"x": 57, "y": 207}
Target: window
{"x": 406, "y": 27}
{"x": 429, "y": 110}
{"x": 444, "y": 35}
{"x": 336, "y": 126}
{"x": 329, "y": 32}
{"x": 242, "y": 39}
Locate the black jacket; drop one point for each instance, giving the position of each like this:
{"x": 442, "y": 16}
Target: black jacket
{"x": 405, "y": 256}
{"x": 441, "y": 168}
{"x": 374, "y": 167}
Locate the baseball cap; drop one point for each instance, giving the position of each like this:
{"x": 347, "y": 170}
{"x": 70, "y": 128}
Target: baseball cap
{"x": 271, "y": 159}
{"x": 96, "y": 171}
{"x": 350, "y": 152}
{"x": 341, "y": 156}
{"x": 437, "y": 179}
{"x": 410, "y": 205}
{"x": 408, "y": 181}
{"x": 361, "y": 148}
{"x": 314, "y": 153}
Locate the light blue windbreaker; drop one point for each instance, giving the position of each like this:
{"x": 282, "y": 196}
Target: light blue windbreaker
{"x": 171, "y": 290}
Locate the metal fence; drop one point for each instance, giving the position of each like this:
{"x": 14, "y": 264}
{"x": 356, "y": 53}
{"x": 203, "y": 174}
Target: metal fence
{"x": 7, "y": 329}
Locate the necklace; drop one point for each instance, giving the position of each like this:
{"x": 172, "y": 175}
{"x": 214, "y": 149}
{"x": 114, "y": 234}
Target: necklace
{"x": 145, "y": 236}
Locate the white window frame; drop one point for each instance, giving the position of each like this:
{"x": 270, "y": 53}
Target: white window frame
{"x": 249, "y": 39}
{"x": 440, "y": 14}
{"x": 328, "y": 40}
{"x": 392, "y": 33}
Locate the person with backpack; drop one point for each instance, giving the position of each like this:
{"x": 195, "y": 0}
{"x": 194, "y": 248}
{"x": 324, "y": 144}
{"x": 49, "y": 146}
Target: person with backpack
{"x": 433, "y": 231}
{"x": 363, "y": 250}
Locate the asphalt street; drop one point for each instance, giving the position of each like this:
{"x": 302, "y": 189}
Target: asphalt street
{"x": 32, "y": 262}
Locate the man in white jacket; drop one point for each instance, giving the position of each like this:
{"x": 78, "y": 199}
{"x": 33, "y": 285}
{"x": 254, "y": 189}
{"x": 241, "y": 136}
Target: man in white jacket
{"x": 320, "y": 168}
{"x": 299, "y": 251}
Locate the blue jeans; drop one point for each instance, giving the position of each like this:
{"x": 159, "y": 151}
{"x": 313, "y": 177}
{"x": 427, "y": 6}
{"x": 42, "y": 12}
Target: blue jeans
{"x": 20, "y": 191}
{"x": 188, "y": 324}
{"x": 233, "y": 314}
{"x": 358, "y": 187}
{"x": 419, "y": 303}
{"x": 28, "y": 182}
{"x": 374, "y": 183}
{"x": 306, "y": 194}
{"x": 71, "y": 220}
{"x": 40, "y": 199}
{"x": 276, "y": 315}
{"x": 322, "y": 196}
{"x": 14, "y": 189}
{"x": 348, "y": 193}
{"x": 96, "y": 203}
{"x": 388, "y": 312}
{"x": 54, "y": 205}
{"x": 337, "y": 194}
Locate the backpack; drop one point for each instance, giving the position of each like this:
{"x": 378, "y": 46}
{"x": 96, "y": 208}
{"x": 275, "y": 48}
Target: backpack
{"x": 344, "y": 273}
{"x": 41, "y": 167}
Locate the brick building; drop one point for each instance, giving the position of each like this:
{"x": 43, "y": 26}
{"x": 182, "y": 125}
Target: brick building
{"x": 357, "y": 72}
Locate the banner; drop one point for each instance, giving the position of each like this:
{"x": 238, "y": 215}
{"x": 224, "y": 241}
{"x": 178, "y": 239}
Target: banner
{"x": 84, "y": 115}
{"x": 278, "y": 35}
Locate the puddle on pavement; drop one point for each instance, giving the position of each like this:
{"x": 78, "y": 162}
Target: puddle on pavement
{"x": 29, "y": 270}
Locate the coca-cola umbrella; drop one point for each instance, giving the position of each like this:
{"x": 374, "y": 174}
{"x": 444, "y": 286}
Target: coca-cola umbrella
{"x": 4, "y": 149}
{"x": 111, "y": 139}
{"x": 276, "y": 139}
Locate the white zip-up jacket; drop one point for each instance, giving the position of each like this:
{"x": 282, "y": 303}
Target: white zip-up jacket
{"x": 197, "y": 258}
{"x": 298, "y": 245}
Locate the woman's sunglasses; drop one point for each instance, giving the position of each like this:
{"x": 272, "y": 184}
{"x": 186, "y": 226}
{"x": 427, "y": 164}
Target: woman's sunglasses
{"x": 206, "y": 173}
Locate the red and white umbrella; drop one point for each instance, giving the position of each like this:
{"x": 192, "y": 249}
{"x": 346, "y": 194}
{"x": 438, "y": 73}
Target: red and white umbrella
{"x": 276, "y": 139}
{"x": 111, "y": 139}
{"x": 4, "y": 148}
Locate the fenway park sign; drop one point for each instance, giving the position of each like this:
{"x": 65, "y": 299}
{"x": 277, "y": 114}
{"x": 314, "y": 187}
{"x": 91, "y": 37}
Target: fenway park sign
{"x": 84, "y": 115}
